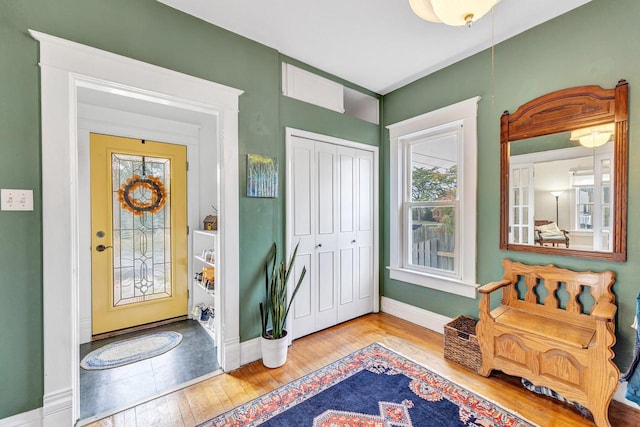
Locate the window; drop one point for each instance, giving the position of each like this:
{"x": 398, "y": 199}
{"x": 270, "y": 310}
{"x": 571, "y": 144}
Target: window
{"x": 584, "y": 210}
{"x": 433, "y": 199}
{"x": 593, "y": 201}
{"x": 521, "y": 202}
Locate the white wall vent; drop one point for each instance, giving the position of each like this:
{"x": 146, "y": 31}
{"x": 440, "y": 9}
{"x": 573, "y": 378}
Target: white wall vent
{"x": 308, "y": 87}
{"x": 314, "y": 89}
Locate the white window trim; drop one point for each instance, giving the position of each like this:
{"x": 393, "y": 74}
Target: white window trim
{"x": 464, "y": 112}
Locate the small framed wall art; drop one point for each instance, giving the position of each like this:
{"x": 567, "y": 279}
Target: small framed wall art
{"x": 262, "y": 176}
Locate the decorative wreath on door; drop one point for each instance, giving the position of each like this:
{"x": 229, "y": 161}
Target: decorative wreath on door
{"x": 142, "y": 185}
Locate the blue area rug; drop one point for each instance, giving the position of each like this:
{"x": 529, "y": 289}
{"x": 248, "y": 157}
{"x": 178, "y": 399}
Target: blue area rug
{"x": 373, "y": 387}
{"x": 132, "y": 350}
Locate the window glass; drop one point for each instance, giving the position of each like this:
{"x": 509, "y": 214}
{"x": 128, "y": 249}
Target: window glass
{"x": 433, "y": 237}
{"x": 432, "y": 202}
{"x": 434, "y": 172}
{"x": 585, "y": 208}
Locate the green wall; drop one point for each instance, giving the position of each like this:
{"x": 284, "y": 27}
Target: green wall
{"x": 594, "y": 44}
{"x": 152, "y": 32}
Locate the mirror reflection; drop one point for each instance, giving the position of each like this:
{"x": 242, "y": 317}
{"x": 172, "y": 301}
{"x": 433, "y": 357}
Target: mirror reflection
{"x": 560, "y": 190}
{"x": 563, "y": 174}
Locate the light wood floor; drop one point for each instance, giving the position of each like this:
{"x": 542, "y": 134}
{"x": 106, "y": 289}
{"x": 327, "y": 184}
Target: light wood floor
{"x": 202, "y": 401}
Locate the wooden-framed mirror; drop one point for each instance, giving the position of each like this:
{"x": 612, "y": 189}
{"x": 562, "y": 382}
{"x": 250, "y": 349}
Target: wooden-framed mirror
{"x": 563, "y": 174}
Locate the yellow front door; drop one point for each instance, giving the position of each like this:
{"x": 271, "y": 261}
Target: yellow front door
{"x": 138, "y": 232}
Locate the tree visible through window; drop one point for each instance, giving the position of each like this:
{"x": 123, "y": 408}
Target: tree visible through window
{"x": 434, "y": 184}
{"x": 433, "y": 204}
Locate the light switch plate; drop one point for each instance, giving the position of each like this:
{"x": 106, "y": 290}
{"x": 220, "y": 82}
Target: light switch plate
{"x": 16, "y": 200}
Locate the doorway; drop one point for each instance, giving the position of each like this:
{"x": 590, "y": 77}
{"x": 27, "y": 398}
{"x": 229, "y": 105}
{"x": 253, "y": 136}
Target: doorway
{"x": 103, "y": 392}
{"x": 332, "y": 214}
{"x": 66, "y": 68}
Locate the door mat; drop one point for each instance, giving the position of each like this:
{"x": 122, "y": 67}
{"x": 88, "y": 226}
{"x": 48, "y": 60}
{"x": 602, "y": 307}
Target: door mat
{"x": 131, "y": 350}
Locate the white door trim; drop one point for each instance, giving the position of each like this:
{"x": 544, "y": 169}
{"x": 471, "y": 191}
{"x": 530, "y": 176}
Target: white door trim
{"x": 290, "y": 133}
{"x": 65, "y": 66}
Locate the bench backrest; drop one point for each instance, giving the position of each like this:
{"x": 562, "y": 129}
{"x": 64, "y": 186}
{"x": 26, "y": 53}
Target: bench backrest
{"x": 551, "y": 277}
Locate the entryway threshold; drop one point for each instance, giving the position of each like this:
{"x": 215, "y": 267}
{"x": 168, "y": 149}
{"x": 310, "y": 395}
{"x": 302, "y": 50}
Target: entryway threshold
{"x": 186, "y": 384}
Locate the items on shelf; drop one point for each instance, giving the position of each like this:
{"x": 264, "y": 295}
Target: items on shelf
{"x": 203, "y": 298}
{"x": 210, "y": 222}
{"x": 203, "y": 313}
{"x": 209, "y": 255}
{"x": 206, "y": 278}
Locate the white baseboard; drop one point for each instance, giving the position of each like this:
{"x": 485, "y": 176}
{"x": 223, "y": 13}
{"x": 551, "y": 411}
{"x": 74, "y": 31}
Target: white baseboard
{"x": 57, "y": 408}
{"x": 250, "y": 351}
{"x": 58, "y": 401}
{"x": 25, "y": 419}
{"x": 85, "y": 330}
{"x": 413, "y": 314}
{"x": 436, "y": 322}
{"x": 231, "y": 355}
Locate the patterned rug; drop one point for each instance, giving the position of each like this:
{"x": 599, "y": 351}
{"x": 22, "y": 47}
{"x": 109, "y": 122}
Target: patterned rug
{"x": 131, "y": 350}
{"x": 373, "y": 387}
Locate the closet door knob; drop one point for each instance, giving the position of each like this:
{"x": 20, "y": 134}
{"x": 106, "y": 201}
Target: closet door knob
{"x": 319, "y": 245}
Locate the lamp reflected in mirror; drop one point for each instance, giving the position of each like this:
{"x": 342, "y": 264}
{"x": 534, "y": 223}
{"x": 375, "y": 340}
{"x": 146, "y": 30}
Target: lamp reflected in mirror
{"x": 556, "y": 194}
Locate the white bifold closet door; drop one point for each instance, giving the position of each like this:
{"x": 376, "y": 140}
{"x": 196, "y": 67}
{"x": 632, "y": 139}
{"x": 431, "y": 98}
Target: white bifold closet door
{"x": 332, "y": 218}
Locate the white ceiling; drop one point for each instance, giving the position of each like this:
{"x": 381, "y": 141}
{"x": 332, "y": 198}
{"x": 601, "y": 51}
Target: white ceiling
{"x": 377, "y": 44}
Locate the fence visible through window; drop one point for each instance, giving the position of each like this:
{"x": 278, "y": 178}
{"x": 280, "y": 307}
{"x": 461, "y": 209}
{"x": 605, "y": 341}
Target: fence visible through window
{"x": 433, "y": 237}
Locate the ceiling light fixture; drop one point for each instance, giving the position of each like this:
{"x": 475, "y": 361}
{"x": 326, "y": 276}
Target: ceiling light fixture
{"x": 594, "y": 136}
{"x": 452, "y": 12}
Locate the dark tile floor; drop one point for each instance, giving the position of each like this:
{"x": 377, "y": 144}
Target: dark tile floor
{"x": 106, "y": 390}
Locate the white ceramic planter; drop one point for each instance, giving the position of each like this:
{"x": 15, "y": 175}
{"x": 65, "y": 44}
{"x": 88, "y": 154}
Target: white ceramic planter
{"x": 274, "y": 352}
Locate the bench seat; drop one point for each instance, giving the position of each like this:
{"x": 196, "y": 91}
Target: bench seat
{"x": 553, "y": 343}
{"x": 557, "y": 330}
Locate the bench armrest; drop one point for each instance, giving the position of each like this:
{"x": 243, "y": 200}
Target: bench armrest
{"x": 604, "y": 310}
{"x": 485, "y": 300}
{"x": 493, "y": 286}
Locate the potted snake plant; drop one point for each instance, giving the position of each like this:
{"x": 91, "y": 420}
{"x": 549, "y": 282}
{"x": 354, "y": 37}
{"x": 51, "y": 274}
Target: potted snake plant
{"x": 275, "y": 309}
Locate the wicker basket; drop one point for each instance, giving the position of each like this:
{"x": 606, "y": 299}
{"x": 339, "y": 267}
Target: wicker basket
{"x": 461, "y": 343}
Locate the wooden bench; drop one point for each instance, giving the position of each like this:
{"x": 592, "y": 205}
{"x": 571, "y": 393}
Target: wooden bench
{"x": 548, "y": 339}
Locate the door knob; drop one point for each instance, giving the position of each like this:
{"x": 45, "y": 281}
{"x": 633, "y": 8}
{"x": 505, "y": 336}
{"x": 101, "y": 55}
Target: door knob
{"x": 319, "y": 245}
{"x": 101, "y": 248}
{"x": 353, "y": 241}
